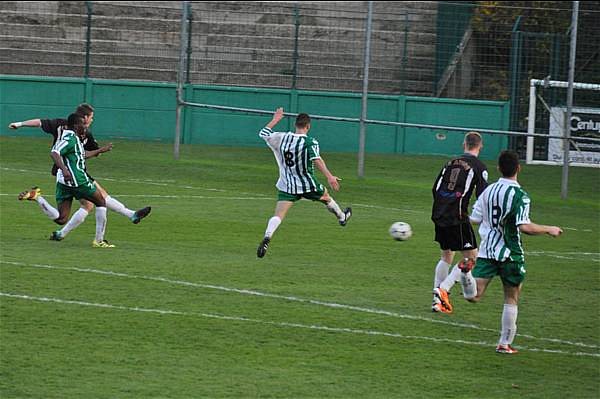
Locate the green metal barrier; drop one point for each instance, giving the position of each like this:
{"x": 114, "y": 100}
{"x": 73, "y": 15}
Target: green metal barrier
{"x": 146, "y": 111}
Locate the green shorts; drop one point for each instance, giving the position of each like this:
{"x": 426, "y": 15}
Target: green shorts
{"x": 511, "y": 272}
{"x": 311, "y": 195}
{"x": 66, "y": 193}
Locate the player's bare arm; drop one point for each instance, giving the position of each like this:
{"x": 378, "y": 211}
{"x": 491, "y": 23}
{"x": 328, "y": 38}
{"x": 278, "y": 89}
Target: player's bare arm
{"x": 101, "y": 150}
{"x": 61, "y": 165}
{"x": 333, "y": 181}
{"x": 537, "y": 229}
{"x": 28, "y": 123}
{"x": 277, "y": 116}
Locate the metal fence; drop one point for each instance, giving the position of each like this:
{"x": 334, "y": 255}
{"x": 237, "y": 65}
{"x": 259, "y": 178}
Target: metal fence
{"x": 477, "y": 50}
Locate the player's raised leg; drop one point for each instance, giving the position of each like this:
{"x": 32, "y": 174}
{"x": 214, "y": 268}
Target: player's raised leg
{"x": 116, "y": 206}
{"x": 35, "y": 194}
{"x": 333, "y": 207}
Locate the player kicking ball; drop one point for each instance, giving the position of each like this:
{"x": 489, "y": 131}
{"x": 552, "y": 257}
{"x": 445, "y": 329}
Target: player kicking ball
{"x": 72, "y": 181}
{"x": 56, "y": 127}
{"x": 297, "y": 154}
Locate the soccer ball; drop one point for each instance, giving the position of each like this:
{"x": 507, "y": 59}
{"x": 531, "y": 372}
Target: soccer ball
{"x": 400, "y": 231}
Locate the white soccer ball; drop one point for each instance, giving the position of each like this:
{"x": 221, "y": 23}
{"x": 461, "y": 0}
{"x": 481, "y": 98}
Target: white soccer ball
{"x": 400, "y": 231}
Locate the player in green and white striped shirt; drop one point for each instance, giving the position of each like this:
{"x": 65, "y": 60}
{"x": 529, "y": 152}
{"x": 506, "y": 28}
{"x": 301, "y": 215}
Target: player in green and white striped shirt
{"x": 502, "y": 211}
{"x": 72, "y": 181}
{"x": 296, "y": 155}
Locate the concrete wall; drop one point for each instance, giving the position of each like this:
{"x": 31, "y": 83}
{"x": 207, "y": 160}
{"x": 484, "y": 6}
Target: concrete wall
{"x": 233, "y": 43}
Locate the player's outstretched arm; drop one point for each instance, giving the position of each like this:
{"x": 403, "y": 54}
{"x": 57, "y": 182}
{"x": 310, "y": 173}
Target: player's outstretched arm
{"x": 537, "y": 229}
{"x": 277, "y": 116}
{"x": 101, "y": 150}
{"x": 333, "y": 181}
{"x": 28, "y": 123}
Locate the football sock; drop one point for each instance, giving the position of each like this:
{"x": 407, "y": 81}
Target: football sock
{"x": 273, "y": 224}
{"x": 48, "y": 209}
{"x": 452, "y": 278}
{"x": 469, "y": 285}
{"x": 77, "y": 218}
{"x": 334, "y": 208}
{"x": 100, "y": 223}
{"x": 509, "y": 324}
{"x": 441, "y": 272}
{"x": 116, "y": 206}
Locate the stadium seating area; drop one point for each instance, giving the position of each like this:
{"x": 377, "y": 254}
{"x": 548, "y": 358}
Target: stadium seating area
{"x": 233, "y": 43}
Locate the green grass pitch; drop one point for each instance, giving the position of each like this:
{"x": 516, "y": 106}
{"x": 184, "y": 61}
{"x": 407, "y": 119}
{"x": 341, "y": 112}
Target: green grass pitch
{"x": 182, "y": 307}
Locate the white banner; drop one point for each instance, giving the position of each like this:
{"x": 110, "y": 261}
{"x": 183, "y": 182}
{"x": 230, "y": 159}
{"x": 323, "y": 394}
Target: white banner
{"x": 585, "y": 122}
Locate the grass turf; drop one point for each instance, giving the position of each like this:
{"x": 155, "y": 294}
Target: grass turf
{"x": 183, "y": 308}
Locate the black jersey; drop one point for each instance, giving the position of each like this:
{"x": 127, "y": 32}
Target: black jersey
{"x": 453, "y": 188}
{"x": 55, "y": 127}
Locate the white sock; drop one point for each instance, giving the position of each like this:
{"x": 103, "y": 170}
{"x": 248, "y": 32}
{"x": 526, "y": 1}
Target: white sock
{"x": 509, "y": 324}
{"x": 441, "y": 272}
{"x": 334, "y": 208}
{"x": 452, "y": 278}
{"x": 273, "y": 224}
{"x": 116, "y": 206}
{"x": 48, "y": 209}
{"x": 469, "y": 285}
{"x": 100, "y": 223}
{"x": 77, "y": 218}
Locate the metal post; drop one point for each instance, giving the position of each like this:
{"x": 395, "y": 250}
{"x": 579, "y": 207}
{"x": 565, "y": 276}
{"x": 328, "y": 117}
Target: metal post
{"x": 515, "y": 62}
{"x": 531, "y": 122}
{"x": 88, "y": 39}
{"x": 189, "y": 45}
{"x": 365, "y": 92}
{"x": 567, "y": 131}
{"x": 295, "y": 56}
{"x": 180, "y": 76}
{"x": 404, "y": 55}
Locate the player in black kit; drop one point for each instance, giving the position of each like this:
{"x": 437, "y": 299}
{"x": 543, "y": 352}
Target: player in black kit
{"x": 451, "y": 195}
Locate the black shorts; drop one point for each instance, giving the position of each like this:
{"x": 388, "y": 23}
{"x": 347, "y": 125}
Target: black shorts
{"x": 456, "y": 238}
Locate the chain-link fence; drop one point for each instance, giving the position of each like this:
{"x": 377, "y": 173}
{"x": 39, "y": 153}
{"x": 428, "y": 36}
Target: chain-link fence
{"x": 313, "y": 45}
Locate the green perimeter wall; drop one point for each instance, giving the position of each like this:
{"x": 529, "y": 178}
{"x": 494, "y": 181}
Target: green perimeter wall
{"x": 146, "y": 111}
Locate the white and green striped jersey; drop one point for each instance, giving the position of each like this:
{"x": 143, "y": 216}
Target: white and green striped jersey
{"x": 70, "y": 148}
{"x": 500, "y": 209}
{"x": 295, "y": 154}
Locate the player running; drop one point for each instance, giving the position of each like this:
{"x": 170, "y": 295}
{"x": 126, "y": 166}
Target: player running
{"x": 55, "y": 127}
{"x": 452, "y": 192}
{"x": 503, "y": 214}
{"x": 296, "y": 155}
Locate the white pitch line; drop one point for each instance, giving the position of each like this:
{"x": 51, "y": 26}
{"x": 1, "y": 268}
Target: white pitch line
{"x": 388, "y": 209}
{"x": 161, "y": 183}
{"x": 137, "y": 181}
{"x": 574, "y": 229}
{"x": 291, "y": 299}
{"x": 591, "y": 256}
{"x": 565, "y": 253}
{"x": 280, "y": 324}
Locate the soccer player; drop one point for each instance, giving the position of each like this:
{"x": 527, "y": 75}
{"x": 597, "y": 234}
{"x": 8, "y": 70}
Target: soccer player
{"x": 503, "y": 213}
{"x": 55, "y": 127}
{"x": 71, "y": 179}
{"x": 452, "y": 192}
{"x": 296, "y": 155}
